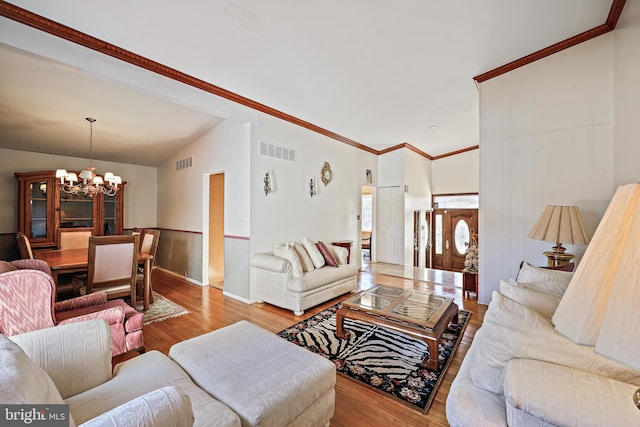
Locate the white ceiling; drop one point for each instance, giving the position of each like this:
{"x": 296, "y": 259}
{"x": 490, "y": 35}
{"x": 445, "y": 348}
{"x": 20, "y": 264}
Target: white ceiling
{"x": 379, "y": 72}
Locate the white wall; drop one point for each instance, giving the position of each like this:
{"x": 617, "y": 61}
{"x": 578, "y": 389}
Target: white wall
{"x": 225, "y": 148}
{"x": 289, "y": 212}
{"x": 183, "y": 201}
{"x": 139, "y": 197}
{"x": 418, "y": 198}
{"x": 456, "y": 174}
{"x": 627, "y": 95}
{"x": 546, "y": 137}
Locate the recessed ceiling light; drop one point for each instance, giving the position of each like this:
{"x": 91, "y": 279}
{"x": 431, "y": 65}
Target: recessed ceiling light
{"x": 434, "y": 127}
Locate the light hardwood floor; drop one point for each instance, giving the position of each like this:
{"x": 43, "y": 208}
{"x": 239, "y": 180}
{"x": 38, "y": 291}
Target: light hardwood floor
{"x": 355, "y": 405}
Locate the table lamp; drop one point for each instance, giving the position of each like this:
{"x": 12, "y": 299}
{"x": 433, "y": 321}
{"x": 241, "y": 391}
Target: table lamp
{"x": 560, "y": 224}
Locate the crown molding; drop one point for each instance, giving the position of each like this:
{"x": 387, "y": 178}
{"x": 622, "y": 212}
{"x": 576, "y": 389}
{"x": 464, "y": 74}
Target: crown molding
{"x": 408, "y": 147}
{"x": 609, "y": 25}
{"x": 453, "y": 153}
{"x": 41, "y": 23}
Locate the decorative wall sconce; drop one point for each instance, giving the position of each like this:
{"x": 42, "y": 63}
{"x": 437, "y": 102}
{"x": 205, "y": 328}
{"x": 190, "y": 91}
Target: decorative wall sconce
{"x": 369, "y": 176}
{"x": 267, "y": 183}
{"x": 312, "y": 187}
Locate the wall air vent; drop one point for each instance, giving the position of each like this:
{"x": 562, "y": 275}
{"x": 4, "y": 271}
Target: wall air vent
{"x": 276, "y": 151}
{"x": 185, "y": 163}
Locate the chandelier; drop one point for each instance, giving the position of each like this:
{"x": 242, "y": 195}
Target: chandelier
{"x": 89, "y": 184}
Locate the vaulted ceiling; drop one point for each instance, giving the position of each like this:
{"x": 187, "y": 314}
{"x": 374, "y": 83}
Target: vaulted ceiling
{"x": 371, "y": 72}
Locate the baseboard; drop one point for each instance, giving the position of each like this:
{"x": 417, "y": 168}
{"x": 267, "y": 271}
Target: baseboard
{"x": 236, "y": 297}
{"x": 172, "y": 273}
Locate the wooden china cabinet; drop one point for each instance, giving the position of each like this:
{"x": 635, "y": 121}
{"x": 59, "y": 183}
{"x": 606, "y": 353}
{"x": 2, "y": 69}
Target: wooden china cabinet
{"x": 43, "y": 209}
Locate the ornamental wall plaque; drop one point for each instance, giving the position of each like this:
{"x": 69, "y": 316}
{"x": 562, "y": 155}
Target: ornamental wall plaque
{"x": 326, "y": 174}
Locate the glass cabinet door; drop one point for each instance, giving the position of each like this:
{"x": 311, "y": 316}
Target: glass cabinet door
{"x": 109, "y": 221}
{"x": 38, "y": 201}
{"x": 37, "y": 192}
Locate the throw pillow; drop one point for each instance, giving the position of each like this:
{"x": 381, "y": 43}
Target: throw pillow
{"x": 288, "y": 253}
{"x": 22, "y": 380}
{"x": 531, "y": 273}
{"x": 329, "y": 259}
{"x": 314, "y": 252}
{"x": 553, "y": 288}
{"x": 305, "y": 259}
{"x": 6, "y": 267}
{"x": 543, "y": 303}
{"x": 542, "y": 279}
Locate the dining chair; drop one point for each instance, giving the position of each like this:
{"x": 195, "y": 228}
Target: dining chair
{"x": 24, "y": 246}
{"x": 27, "y": 295}
{"x": 112, "y": 267}
{"x": 149, "y": 239}
{"x": 73, "y": 238}
{"x": 366, "y": 243}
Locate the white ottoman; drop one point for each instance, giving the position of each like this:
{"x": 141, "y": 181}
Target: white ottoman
{"x": 266, "y": 380}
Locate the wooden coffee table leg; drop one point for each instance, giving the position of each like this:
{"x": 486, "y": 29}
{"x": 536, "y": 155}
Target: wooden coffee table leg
{"x": 454, "y": 320}
{"x": 340, "y": 332}
{"x": 432, "y": 362}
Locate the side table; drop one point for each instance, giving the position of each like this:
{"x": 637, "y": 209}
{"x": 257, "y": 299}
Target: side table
{"x": 345, "y": 244}
{"x": 469, "y": 282}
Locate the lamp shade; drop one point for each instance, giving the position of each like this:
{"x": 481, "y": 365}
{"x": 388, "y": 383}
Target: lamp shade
{"x": 560, "y": 224}
{"x": 600, "y": 306}
{"x": 619, "y": 337}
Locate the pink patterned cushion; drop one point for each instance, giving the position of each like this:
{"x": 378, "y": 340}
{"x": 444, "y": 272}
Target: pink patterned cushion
{"x": 32, "y": 264}
{"x": 112, "y": 315}
{"x": 134, "y": 340}
{"x": 328, "y": 258}
{"x": 132, "y": 317}
{"x": 26, "y": 301}
{"x": 119, "y": 340}
{"x": 91, "y": 300}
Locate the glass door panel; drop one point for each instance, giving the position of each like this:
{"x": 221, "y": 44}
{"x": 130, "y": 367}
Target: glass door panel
{"x": 38, "y": 201}
{"x": 109, "y": 210}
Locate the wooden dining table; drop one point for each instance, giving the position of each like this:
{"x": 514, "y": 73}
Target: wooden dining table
{"x": 63, "y": 261}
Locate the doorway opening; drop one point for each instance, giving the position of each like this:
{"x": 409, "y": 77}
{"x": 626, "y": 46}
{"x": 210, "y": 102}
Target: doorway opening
{"x": 367, "y": 224}
{"x": 454, "y": 220}
{"x": 216, "y": 230}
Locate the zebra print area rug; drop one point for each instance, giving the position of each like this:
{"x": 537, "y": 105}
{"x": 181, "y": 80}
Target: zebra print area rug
{"x": 387, "y": 361}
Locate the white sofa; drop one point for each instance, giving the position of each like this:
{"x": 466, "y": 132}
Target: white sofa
{"x": 71, "y": 364}
{"x": 296, "y": 276}
{"x": 520, "y": 372}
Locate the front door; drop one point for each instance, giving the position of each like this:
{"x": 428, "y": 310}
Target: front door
{"x": 451, "y": 230}
{"x": 416, "y": 238}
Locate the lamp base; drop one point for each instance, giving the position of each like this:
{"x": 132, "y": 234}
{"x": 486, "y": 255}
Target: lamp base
{"x": 555, "y": 259}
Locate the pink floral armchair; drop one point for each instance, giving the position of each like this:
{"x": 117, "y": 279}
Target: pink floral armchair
{"x": 27, "y": 295}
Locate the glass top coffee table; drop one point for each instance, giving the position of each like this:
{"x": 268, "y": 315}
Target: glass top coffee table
{"x": 421, "y": 315}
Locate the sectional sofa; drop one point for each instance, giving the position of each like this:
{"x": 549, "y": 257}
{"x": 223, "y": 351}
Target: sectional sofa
{"x": 237, "y": 375}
